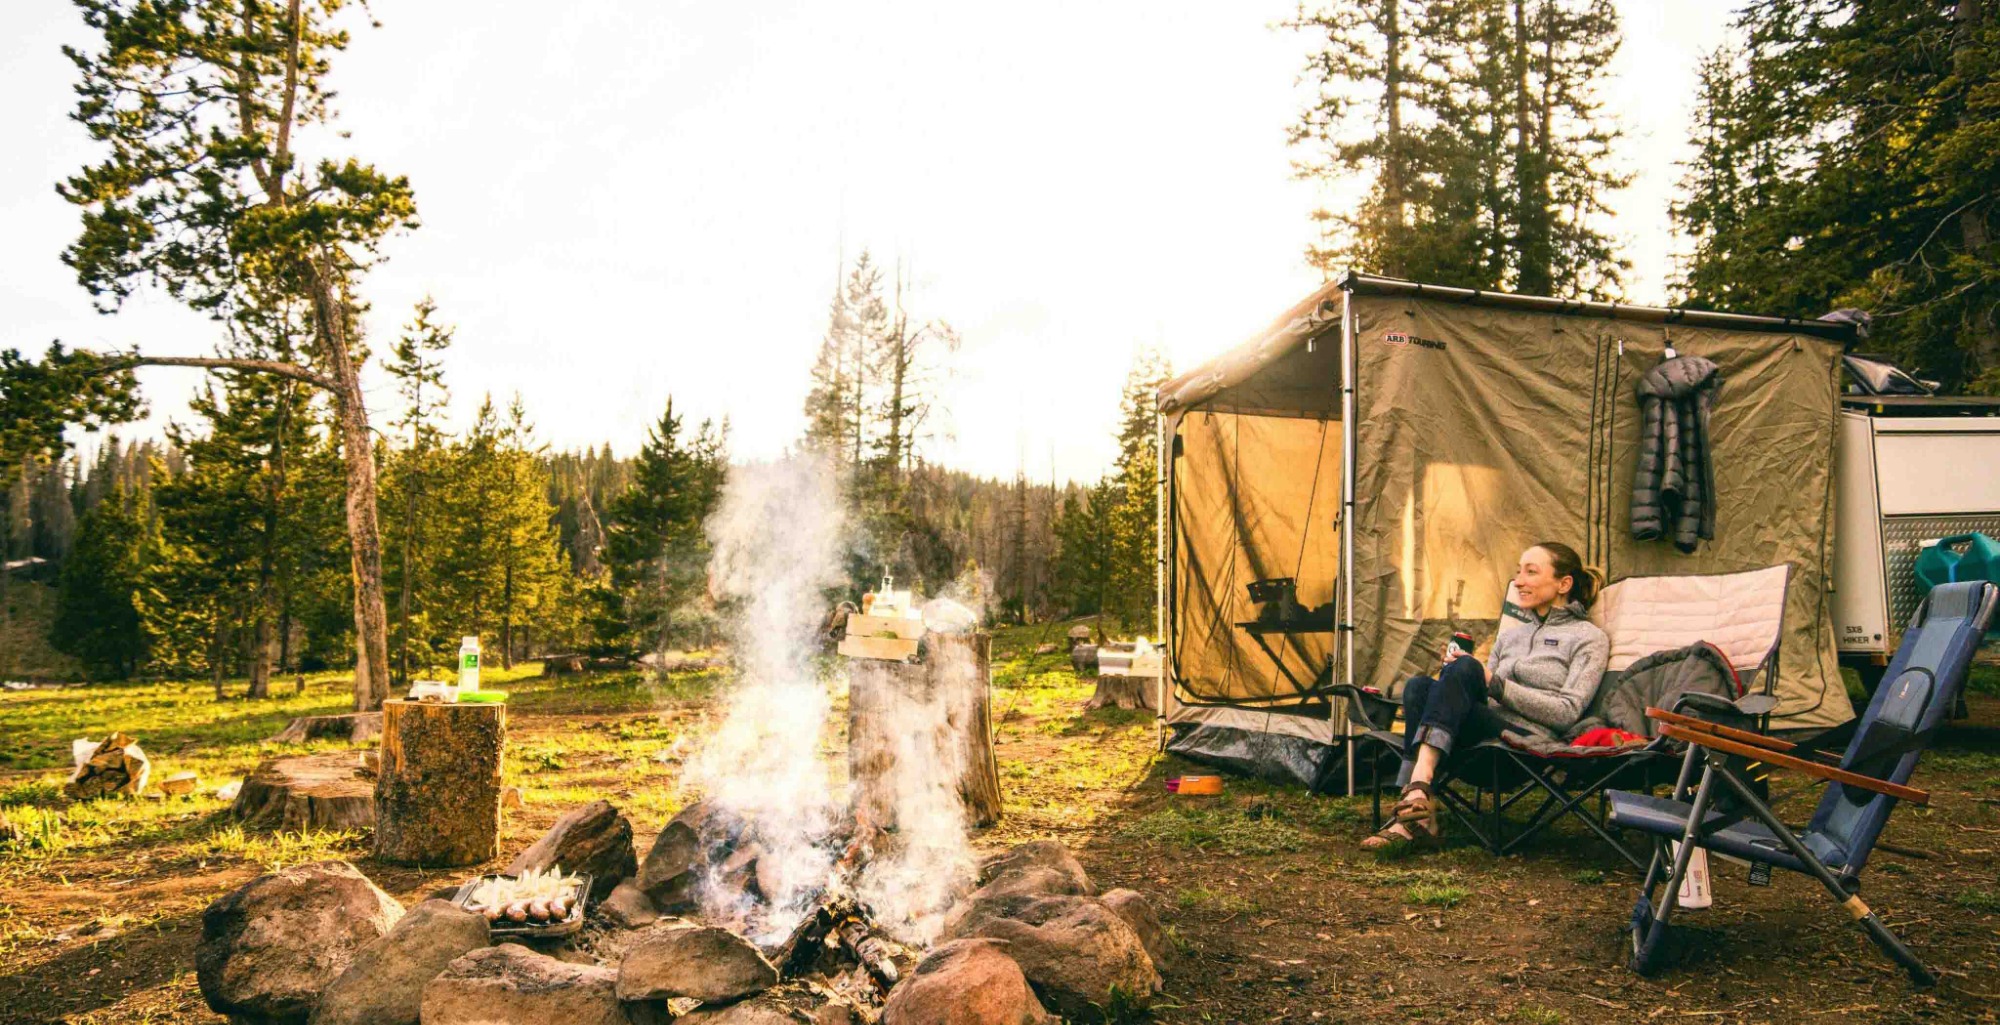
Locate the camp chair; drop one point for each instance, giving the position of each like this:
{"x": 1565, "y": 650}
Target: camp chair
{"x": 1733, "y": 820}
{"x": 1741, "y": 614}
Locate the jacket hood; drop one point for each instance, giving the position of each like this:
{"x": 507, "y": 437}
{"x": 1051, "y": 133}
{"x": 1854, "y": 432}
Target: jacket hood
{"x": 1678, "y": 377}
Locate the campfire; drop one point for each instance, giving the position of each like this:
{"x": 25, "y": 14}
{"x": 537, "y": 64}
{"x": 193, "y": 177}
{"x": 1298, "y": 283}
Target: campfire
{"x": 771, "y": 898}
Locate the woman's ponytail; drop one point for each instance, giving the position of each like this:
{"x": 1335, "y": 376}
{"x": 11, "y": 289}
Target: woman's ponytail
{"x": 1584, "y": 581}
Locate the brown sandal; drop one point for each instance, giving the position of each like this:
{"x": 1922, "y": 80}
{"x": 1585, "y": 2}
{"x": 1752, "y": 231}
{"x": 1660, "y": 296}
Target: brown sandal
{"x": 1417, "y": 815}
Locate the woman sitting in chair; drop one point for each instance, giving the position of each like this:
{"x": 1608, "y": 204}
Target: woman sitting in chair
{"x": 1541, "y": 681}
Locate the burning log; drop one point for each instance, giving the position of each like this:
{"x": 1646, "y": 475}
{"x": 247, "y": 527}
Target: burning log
{"x": 841, "y": 924}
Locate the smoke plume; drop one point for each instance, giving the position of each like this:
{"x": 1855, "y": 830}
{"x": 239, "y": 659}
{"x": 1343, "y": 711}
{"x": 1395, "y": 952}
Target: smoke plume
{"x": 777, "y": 536}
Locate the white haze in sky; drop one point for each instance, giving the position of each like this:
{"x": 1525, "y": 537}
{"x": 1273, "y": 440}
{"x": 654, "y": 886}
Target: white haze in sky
{"x": 623, "y": 201}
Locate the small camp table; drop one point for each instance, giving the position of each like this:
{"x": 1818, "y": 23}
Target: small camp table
{"x": 1259, "y": 630}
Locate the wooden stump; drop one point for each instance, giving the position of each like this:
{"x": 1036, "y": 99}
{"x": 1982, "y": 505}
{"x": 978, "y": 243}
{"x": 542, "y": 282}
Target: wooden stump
{"x": 329, "y": 791}
{"x": 354, "y": 727}
{"x": 437, "y": 797}
{"x": 940, "y": 711}
{"x": 1125, "y": 692}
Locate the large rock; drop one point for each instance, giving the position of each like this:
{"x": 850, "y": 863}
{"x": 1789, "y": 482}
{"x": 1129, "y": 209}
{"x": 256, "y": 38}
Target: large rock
{"x": 972, "y": 914}
{"x": 702, "y": 963}
{"x": 1013, "y": 879}
{"x": 748, "y": 1012}
{"x": 594, "y": 839}
{"x": 1139, "y": 914}
{"x": 965, "y": 982}
{"x": 628, "y": 907}
{"x": 1042, "y": 867}
{"x": 385, "y": 985}
{"x": 271, "y": 947}
{"x": 1079, "y": 955}
{"x": 681, "y": 854}
{"x": 512, "y": 985}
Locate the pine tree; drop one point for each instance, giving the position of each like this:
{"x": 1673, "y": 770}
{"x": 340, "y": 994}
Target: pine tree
{"x": 841, "y": 405}
{"x": 906, "y": 360}
{"x": 201, "y": 192}
{"x": 655, "y": 547}
{"x": 1135, "y": 480}
{"x": 535, "y": 591}
{"x": 410, "y": 480}
{"x": 1866, "y": 176}
{"x": 1085, "y": 548}
{"x": 1478, "y": 127}
{"x": 97, "y": 620}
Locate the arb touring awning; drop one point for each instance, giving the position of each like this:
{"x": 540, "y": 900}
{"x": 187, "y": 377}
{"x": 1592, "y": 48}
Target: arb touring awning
{"x": 1391, "y": 447}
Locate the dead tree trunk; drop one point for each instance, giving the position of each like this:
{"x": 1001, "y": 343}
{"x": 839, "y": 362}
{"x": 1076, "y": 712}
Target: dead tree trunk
{"x": 965, "y": 674}
{"x": 915, "y": 729}
{"x": 371, "y": 617}
{"x": 437, "y": 798}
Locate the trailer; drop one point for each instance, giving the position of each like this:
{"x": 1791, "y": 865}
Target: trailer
{"x": 1910, "y": 467}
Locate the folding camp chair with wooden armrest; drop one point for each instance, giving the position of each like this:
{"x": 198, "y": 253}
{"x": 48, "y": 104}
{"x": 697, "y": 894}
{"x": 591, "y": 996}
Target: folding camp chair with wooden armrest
{"x": 1725, "y": 814}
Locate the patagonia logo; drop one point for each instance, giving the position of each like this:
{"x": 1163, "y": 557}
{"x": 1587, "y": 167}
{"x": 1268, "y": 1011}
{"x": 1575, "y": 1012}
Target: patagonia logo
{"x": 1549, "y": 642}
{"x": 1406, "y": 338}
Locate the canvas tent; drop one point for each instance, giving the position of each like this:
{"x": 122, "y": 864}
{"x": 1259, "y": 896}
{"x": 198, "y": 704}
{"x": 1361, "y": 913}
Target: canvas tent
{"x": 1477, "y": 423}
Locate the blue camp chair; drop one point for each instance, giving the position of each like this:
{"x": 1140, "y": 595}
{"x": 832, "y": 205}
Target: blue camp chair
{"x": 1924, "y": 682}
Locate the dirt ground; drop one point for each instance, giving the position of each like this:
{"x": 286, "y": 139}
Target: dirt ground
{"x": 1277, "y": 916}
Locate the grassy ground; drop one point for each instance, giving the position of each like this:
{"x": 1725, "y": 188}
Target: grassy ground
{"x": 1276, "y": 915}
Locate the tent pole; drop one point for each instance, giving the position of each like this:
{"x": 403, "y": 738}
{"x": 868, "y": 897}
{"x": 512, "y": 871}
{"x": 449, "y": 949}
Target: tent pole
{"x": 1162, "y": 468}
{"x": 1345, "y": 628}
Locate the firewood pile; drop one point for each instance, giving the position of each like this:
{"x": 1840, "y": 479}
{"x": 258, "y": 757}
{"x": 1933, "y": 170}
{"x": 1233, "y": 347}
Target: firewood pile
{"x": 114, "y": 765}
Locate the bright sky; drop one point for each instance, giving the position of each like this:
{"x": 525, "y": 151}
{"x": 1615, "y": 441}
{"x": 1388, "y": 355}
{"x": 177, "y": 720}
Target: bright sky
{"x": 623, "y": 202}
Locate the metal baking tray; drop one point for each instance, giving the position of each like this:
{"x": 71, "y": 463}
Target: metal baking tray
{"x": 504, "y": 929}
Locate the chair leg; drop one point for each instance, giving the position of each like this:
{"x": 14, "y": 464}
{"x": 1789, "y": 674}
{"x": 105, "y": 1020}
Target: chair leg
{"x": 1375, "y": 791}
{"x": 1647, "y": 951}
{"x": 1858, "y": 909}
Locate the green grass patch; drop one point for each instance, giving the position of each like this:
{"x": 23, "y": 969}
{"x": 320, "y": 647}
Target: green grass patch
{"x": 1436, "y": 895}
{"x": 40, "y": 792}
{"x": 1535, "y": 1014}
{"x": 271, "y": 850}
{"x": 1226, "y": 830}
{"x": 1977, "y": 899}
{"x": 1587, "y": 877}
{"x": 1201, "y": 898}
{"x": 1378, "y": 874}
{"x": 1962, "y": 760}
{"x": 1983, "y": 679}
{"x": 1335, "y": 814}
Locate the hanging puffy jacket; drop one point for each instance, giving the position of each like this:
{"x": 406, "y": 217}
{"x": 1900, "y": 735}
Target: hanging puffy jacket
{"x": 1673, "y": 493}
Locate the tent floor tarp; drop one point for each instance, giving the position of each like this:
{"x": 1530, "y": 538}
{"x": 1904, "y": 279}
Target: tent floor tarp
{"x": 1273, "y": 756}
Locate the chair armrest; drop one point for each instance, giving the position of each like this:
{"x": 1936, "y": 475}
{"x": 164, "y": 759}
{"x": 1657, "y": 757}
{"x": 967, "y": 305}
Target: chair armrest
{"x": 1747, "y": 707}
{"x": 1689, "y": 722}
{"x": 1772, "y": 757}
{"x": 1371, "y": 710}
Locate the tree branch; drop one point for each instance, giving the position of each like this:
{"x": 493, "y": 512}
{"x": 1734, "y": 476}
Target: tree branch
{"x": 277, "y": 368}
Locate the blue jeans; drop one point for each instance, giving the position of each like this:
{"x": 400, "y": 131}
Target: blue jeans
{"x": 1450, "y": 709}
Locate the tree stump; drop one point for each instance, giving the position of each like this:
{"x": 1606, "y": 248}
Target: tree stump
{"x": 354, "y": 727}
{"x": 329, "y": 791}
{"x": 1125, "y": 692}
{"x": 914, "y": 728}
{"x": 437, "y": 794}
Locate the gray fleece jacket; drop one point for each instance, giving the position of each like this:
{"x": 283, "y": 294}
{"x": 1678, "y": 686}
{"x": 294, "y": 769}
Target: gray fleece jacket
{"x": 1550, "y": 672}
